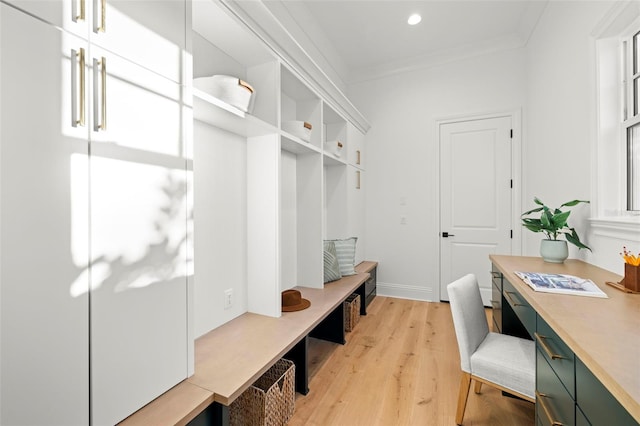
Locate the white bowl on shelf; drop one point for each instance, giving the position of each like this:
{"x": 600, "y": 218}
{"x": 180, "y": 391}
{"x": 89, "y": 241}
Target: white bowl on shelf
{"x": 333, "y": 147}
{"x": 301, "y": 129}
{"x": 229, "y": 89}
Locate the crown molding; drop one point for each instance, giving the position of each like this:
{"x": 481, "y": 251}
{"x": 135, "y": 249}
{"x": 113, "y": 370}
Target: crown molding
{"x": 261, "y": 21}
{"x": 437, "y": 58}
{"x": 296, "y": 17}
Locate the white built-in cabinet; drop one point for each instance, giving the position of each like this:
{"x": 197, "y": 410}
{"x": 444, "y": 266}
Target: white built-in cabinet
{"x": 297, "y": 192}
{"x": 95, "y": 208}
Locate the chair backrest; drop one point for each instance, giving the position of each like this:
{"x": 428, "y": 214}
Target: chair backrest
{"x": 469, "y": 318}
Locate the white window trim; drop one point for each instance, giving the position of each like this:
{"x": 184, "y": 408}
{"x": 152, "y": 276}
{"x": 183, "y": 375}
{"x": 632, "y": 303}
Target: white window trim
{"x": 629, "y": 98}
{"x": 609, "y": 214}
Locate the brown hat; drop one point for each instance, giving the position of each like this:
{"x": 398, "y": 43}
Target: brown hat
{"x": 292, "y": 301}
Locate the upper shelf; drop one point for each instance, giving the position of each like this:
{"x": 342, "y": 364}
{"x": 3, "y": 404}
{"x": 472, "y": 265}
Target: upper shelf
{"x": 211, "y": 110}
{"x": 332, "y": 161}
{"x": 296, "y": 145}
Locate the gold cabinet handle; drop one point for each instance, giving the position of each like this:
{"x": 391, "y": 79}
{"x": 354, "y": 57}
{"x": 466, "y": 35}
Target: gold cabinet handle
{"x": 358, "y": 156}
{"x": 103, "y": 16}
{"x": 81, "y": 16}
{"x": 543, "y": 342}
{"x": 540, "y": 399}
{"x": 357, "y": 179}
{"x": 100, "y": 110}
{"x": 514, "y": 303}
{"x": 77, "y": 81}
{"x": 495, "y": 274}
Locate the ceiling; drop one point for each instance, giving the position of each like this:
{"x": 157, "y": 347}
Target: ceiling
{"x": 364, "y": 39}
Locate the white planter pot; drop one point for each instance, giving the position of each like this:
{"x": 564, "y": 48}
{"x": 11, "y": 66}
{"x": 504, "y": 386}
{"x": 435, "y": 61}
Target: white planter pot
{"x": 554, "y": 251}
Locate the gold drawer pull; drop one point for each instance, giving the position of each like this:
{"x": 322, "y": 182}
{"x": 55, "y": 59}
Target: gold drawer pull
{"x": 540, "y": 399}
{"x": 102, "y": 11}
{"x": 543, "y": 342}
{"x": 78, "y": 67}
{"x": 495, "y": 274}
{"x": 81, "y": 16}
{"x": 514, "y": 303}
{"x": 100, "y": 102}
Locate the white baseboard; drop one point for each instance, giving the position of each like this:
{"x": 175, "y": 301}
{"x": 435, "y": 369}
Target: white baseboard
{"x": 405, "y": 292}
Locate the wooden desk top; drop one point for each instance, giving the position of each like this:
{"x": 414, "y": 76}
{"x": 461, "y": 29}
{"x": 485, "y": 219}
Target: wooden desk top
{"x": 603, "y": 333}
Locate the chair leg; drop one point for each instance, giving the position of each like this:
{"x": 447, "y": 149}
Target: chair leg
{"x": 477, "y": 386}
{"x": 465, "y": 383}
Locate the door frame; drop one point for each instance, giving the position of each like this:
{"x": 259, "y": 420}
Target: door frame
{"x": 516, "y": 173}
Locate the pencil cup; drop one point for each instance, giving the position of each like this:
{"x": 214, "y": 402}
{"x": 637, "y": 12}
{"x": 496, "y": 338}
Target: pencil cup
{"x": 631, "y": 277}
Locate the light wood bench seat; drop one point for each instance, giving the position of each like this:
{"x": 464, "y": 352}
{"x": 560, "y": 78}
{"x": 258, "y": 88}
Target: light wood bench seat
{"x": 231, "y": 357}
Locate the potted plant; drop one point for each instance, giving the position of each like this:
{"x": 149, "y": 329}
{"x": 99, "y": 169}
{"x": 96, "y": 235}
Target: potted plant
{"x": 553, "y": 223}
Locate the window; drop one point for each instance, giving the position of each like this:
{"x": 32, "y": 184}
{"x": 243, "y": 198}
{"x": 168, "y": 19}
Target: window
{"x": 631, "y": 117}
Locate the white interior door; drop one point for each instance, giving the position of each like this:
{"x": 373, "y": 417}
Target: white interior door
{"x": 475, "y": 199}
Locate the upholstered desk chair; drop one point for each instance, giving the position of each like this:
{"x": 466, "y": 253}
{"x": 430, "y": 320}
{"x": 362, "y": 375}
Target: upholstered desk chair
{"x": 504, "y": 362}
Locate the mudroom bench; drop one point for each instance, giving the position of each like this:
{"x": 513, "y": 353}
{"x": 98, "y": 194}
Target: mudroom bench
{"x": 230, "y": 358}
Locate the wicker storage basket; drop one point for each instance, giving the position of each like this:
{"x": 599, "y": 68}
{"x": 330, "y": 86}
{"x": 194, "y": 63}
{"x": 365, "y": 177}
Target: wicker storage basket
{"x": 351, "y": 312}
{"x": 270, "y": 401}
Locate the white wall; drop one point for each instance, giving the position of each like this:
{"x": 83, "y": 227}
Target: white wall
{"x": 402, "y": 158}
{"x": 220, "y": 222}
{"x": 560, "y": 126}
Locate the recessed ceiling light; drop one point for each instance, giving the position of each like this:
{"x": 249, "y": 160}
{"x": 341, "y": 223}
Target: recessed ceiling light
{"x": 414, "y": 19}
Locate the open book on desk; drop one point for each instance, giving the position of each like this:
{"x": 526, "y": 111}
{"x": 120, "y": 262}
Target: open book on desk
{"x": 561, "y": 283}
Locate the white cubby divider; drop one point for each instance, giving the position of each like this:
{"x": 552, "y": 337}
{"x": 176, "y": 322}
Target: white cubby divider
{"x": 335, "y": 201}
{"x": 263, "y": 225}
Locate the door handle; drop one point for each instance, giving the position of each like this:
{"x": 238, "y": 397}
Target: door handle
{"x": 447, "y": 235}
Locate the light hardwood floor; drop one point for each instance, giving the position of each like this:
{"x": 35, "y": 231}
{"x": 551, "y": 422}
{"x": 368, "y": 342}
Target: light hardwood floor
{"x": 400, "y": 366}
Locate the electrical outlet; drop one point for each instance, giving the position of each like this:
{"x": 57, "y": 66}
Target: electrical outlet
{"x": 228, "y": 298}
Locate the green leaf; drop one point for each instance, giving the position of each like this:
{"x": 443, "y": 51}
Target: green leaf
{"x": 575, "y": 240}
{"x": 560, "y": 220}
{"x": 531, "y": 211}
{"x": 547, "y": 219}
{"x": 534, "y": 228}
{"x": 537, "y": 201}
{"x": 532, "y": 224}
{"x": 574, "y": 203}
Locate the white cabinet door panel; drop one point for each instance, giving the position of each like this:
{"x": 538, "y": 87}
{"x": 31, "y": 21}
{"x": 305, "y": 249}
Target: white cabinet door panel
{"x": 143, "y": 110}
{"x": 150, "y": 33}
{"x": 43, "y": 228}
{"x": 138, "y": 284}
{"x": 61, "y": 13}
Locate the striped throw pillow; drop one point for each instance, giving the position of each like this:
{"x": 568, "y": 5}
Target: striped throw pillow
{"x": 346, "y": 253}
{"x": 331, "y": 265}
